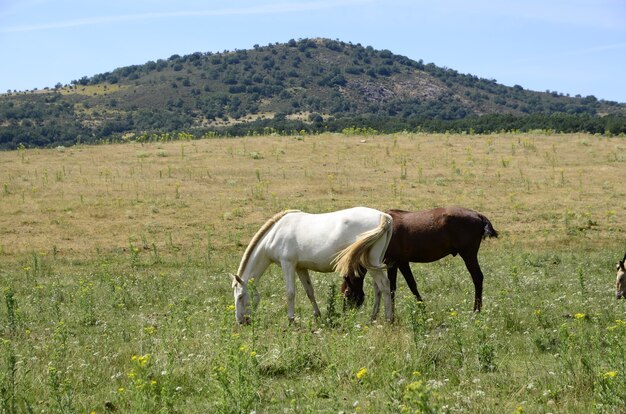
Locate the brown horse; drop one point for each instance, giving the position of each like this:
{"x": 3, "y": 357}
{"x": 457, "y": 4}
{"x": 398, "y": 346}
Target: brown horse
{"x": 620, "y": 284}
{"x": 427, "y": 236}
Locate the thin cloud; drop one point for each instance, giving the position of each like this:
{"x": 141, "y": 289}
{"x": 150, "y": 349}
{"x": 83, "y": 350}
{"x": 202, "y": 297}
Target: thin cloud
{"x": 272, "y": 8}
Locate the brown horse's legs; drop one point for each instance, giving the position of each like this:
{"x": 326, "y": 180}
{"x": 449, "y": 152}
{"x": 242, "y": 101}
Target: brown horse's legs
{"x": 405, "y": 269}
{"x": 471, "y": 262}
{"x": 392, "y": 275}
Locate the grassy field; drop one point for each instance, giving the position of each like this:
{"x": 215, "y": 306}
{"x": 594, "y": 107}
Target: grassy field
{"x": 114, "y": 265}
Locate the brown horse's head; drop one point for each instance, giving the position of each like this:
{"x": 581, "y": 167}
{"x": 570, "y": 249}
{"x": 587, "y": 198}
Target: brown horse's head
{"x": 352, "y": 289}
{"x": 620, "y": 284}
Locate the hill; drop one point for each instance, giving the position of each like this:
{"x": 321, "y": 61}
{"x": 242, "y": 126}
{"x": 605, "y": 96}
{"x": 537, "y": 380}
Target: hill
{"x": 310, "y": 84}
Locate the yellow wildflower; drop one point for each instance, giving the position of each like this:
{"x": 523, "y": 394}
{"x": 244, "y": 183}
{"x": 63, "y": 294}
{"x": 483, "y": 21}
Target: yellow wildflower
{"x": 580, "y": 316}
{"x": 144, "y": 360}
{"x": 610, "y": 374}
{"x": 149, "y": 330}
{"x": 537, "y": 312}
{"x": 414, "y": 386}
{"x": 362, "y": 373}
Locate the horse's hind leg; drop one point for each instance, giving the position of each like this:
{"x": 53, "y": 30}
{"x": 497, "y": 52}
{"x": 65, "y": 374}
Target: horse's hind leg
{"x": 376, "y": 306}
{"x": 381, "y": 287}
{"x": 305, "y": 279}
{"x": 471, "y": 262}
{"x": 405, "y": 269}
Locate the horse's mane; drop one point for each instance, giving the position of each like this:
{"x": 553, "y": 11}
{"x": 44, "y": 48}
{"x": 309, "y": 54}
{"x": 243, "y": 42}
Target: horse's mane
{"x": 258, "y": 236}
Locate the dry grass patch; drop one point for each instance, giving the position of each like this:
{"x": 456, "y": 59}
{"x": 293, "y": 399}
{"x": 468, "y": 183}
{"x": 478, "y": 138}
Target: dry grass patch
{"x": 535, "y": 188}
{"x": 92, "y": 90}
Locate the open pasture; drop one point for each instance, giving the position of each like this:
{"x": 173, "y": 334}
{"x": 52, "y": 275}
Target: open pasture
{"x": 114, "y": 265}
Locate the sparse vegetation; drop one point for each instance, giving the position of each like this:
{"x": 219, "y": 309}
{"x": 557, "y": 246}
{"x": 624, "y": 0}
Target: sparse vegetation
{"x": 116, "y": 296}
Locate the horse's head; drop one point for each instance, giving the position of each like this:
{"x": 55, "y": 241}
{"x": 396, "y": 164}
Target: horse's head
{"x": 620, "y": 284}
{"x": 242, "y": 300}
{"x": 352, "y": 289}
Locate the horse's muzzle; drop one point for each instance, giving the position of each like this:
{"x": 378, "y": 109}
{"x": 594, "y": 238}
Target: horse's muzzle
{"x": 244, "y": 321}
{"x": 353, "y": 301}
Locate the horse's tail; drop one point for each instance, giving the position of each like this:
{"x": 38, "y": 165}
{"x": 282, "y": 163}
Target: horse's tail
{"x": 357, "y": 254}
{"x": 489, "y": 230}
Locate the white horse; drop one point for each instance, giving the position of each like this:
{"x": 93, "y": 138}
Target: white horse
{"x": 297, "y": 241}
{"x": 620, "y": 284}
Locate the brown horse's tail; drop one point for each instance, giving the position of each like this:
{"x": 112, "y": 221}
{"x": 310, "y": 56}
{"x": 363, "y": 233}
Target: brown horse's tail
{"x": 349, "y": 259}
{"x": 489, "y": 230}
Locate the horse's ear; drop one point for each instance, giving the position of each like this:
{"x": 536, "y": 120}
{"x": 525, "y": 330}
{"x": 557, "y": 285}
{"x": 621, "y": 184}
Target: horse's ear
{"x": 236, "y": 279}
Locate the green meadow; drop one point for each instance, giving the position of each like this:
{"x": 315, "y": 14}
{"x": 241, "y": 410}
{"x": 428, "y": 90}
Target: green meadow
{"x": 116, "y": 295}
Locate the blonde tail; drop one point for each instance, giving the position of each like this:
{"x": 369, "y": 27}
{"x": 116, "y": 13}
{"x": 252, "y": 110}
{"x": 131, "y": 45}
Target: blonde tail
{"x": 348, "y": 260}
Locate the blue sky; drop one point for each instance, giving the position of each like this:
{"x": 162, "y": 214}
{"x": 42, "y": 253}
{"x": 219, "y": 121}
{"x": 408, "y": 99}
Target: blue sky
{"x": 570, "y": 46}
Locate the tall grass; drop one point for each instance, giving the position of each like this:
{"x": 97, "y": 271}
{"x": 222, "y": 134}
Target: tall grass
{"x": 116, "y": 295}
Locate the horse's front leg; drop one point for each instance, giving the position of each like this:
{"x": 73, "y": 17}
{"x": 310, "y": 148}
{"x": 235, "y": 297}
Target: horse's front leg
{"x": 289, "y": 274}
{"x": 305, "y": 279}
{"x": 392, "y": 275}
{"x": 383, "y": 286}
{"x": 405, "y": 269}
